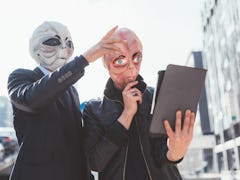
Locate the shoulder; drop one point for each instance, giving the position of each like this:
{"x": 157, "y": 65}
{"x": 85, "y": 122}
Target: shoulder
{"x": 22, "y": 71}
{"x": 91, "y": 109}
{"x": 102, "y": 109}
{"x": 20, "y": 74}
{"x": 93, "y": 104}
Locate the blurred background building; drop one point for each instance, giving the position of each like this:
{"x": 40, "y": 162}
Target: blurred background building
{"x": 6, "y": 116}
{"x": 200, "y": 160}
{"x": 221, "y": 48}
{"x": 8, "y": 140}
{"x": 215, "y": 150}
{"x": 221, "y": 57}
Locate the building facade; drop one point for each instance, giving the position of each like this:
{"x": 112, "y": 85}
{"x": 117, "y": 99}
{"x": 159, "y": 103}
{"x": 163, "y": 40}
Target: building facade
{"x": 6, "y": 116}
{"x": 200, "y": 158}
{"x": 221, "y": 57}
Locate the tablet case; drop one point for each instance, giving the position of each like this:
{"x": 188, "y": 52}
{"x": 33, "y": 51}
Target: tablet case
{"x": 178, "y": 88}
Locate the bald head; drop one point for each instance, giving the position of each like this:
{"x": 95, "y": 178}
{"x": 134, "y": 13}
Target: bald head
{"x": 124, "y": 68}
{"x": 129, "y": 36}
{"x": 131, "y": 39}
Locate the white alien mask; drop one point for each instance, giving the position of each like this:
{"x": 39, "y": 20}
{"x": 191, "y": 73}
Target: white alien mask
{"x": 51, "y": 45}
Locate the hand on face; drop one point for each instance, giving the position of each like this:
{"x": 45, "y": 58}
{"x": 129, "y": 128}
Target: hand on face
{"x": 179, "y": 140}
{"x": 107, "y": 45}
{"x": 131, "y": 97}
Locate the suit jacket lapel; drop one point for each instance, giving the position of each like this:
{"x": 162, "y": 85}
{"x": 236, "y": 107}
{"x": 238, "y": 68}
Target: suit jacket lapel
{"x": 77, "y": 112}
{"x": 74, "y": 97}
{"x": 39, "y": 74}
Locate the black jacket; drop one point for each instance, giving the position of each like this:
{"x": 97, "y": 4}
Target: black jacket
{"x": 106, "y": 141}
{"x": 48, "y": 123}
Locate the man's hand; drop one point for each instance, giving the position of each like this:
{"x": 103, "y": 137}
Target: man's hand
{"x": 179, "y": 140}
{"x": 107, "y": 45}
{"x": 131, "y": 97}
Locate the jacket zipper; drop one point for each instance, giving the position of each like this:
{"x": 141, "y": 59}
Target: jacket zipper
{"x": 141, "y": 146}
{"x": 125, "y": 163}
{"x": 125, "y": 158}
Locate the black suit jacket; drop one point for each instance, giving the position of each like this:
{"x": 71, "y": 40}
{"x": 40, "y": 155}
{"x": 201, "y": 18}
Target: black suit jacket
{"x": 48, "y": 123}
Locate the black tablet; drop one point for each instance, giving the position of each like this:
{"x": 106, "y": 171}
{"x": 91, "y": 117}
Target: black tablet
{"x": 178, "y": 88}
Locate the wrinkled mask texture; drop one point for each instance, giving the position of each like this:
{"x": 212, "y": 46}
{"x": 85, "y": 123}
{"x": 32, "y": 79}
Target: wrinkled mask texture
{"x": 51, "y": 45}
{"x": 125, "y": 68}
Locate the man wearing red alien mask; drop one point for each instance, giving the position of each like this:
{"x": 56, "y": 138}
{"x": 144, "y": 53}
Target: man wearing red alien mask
{"x": 117, "y": 139}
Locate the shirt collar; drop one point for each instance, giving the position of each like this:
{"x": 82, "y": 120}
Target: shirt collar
{"x": 44, "y": 70}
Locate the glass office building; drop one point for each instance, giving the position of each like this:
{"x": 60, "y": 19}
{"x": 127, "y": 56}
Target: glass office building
{"x": 200, "y": 159}
{"x": 221, "y": 57}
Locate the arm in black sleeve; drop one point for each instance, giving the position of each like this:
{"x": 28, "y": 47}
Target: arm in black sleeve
{"x": 29, "y": 92}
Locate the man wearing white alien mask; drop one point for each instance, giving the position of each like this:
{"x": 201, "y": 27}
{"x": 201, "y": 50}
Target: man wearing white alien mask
{"x": 47, "y": 118}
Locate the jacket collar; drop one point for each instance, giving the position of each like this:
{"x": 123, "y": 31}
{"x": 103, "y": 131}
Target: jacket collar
{"x": 116, "y": 94}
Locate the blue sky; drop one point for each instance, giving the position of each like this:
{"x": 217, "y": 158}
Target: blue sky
{"x": 169, "y": 31}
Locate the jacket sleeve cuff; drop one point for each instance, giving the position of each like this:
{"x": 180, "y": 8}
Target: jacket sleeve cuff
{"x": 172, "y": 162}
{"x": 82, "y": 61}
{"x": 117, "y": 134}
{"x": 160, "y": 151}
{"x": 165, "y": 150}
{"x": 176, "y": 162}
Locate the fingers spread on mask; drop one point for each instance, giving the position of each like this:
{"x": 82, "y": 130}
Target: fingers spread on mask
{"x": 115, "y": 44}
{"x": 110, "y": 33}
{"x": 111, "y": 49}
{"x": 113, "y": 40}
